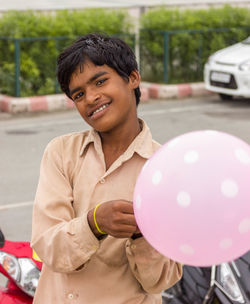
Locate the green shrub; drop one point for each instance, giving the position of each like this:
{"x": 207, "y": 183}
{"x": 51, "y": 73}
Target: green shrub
{"x": 178, "y": 56}
{"x": 210, "y": 30}
{"x": 38, "y": 58}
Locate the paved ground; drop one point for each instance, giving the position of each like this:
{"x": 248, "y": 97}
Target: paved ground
{"x": 24, "y": 137}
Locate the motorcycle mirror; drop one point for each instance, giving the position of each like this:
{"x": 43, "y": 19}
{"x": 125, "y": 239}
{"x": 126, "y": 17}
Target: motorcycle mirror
{"x": 2, "y": 240}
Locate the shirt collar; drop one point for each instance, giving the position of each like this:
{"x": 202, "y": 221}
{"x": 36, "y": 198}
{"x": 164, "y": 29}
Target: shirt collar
{"x": 92, "y": 137}
{"x": 142, "y": 144}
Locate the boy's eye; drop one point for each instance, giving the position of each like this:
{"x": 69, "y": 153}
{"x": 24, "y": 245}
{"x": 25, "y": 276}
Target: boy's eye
{"x": 101, "y": 81}
{"x": 78, "y": 96}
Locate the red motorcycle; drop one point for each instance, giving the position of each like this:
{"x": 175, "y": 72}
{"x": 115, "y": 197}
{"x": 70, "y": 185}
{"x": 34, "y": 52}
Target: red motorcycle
{"x": 22, "y": 269}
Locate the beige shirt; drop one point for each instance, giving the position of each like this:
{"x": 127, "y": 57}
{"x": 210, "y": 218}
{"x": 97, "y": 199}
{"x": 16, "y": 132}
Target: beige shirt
{"x": 78, "y": 268}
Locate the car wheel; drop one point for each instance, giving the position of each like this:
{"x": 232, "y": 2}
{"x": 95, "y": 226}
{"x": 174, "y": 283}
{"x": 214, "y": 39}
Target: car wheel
{"x": 225, "y": 97}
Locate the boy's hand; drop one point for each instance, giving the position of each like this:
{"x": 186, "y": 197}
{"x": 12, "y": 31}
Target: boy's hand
{"x": 115, "y": 218}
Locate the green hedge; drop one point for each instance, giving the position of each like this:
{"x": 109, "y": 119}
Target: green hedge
{"x": 184, "y": 61}
{"x": 38, "y": 58}
{"x": 188, "y": 51}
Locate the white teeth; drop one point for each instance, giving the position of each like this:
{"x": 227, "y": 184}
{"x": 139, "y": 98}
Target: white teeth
{"x": 100, "y": 109}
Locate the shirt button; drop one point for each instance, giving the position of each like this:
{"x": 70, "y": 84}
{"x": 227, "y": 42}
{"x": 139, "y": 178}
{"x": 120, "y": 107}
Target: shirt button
{"x": 70, "y": 296}
{"x": 102, "y": 181}
{"x": 133, "y": 246}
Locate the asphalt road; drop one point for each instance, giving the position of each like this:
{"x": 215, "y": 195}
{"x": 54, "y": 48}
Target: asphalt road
{"x": 23, "y": 139}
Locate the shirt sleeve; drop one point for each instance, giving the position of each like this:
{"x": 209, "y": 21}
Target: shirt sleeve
{"x": 152, "y": 270}
{"x": 62, "y": 242}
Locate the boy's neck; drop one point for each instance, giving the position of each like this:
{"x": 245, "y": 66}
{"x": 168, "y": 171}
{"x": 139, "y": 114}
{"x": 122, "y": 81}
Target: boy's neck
{"x": 115, "y": 143}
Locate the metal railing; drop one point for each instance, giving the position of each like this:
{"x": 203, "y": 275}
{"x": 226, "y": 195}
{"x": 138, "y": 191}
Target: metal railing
{"x": 11, "y": 56}
{"x": 28, "y": 65}
{"x": 17, "y": 57}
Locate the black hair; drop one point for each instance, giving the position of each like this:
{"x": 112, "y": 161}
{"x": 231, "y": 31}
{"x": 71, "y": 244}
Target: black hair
{"x": 99, "y": 49}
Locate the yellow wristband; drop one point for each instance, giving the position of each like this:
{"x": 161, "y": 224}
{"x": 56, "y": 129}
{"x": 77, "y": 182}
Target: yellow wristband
{"x": 99, "y": 230}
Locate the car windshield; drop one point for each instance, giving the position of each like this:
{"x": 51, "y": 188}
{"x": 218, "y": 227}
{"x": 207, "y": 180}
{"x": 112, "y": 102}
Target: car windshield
{"x": 247, "y": 41}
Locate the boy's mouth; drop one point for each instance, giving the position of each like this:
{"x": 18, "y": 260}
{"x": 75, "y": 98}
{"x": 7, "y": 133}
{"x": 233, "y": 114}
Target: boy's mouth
{"x": 101, "y": 108}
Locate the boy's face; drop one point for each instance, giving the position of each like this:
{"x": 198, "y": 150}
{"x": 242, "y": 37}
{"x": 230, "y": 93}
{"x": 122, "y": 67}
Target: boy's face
{"x": 103, "y": 98}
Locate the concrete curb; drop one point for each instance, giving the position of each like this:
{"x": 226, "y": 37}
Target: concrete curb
{"x": 46, "y": 103}
{"x": 175, "y": 91}
{"x": 55, "y": 102}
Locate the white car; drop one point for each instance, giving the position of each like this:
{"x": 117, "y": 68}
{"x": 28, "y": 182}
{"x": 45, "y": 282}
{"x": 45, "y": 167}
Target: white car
{"x": 227, "y": 71}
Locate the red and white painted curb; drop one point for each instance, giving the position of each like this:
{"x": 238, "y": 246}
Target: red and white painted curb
{"x": 45, "y": 103}
{"x": 175, "y": 91}
{"x": 55, "y": 102}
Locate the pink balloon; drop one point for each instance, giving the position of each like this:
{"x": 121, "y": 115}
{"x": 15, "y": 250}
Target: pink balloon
{"x": 192, "y": 198}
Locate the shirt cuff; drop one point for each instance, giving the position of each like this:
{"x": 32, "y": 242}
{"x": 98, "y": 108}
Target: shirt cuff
{"x": 82, "y": 235}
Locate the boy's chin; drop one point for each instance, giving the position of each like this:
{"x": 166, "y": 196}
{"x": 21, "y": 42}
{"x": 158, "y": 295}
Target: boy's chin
{"x": 102, "y": 127}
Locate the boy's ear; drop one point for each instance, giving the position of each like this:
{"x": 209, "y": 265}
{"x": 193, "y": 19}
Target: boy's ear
{"x": 134, "y": 79}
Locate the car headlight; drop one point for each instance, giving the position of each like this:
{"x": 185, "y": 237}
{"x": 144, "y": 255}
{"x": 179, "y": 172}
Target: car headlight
{"x": 22, "y": 270}
{"x": 229, "y": 283}
{"x": 30, "y": 275}
{"x": 10, "y": 265}
{"x": 245, "y": 66}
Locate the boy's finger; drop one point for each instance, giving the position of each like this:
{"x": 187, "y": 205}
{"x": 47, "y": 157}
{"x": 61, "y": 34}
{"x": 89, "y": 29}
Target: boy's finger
{"x": 125, "y": 229}
{"x": 126, "y": 207}
{"x": 128, "y": 219}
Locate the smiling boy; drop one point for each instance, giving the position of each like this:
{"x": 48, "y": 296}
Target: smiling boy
{"x": 84, "y": 228}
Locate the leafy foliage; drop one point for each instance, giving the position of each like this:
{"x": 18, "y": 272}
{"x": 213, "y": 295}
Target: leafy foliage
{"x": 175, "y": 57}
{"x": 38, "y": 57}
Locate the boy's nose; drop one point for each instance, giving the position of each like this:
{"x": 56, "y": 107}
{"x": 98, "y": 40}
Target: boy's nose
{"x": 92, "y": 96}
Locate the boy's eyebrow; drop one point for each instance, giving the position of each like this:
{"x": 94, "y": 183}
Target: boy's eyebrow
{"x": 93, "y": 78}
{"x": 97, "y": 75}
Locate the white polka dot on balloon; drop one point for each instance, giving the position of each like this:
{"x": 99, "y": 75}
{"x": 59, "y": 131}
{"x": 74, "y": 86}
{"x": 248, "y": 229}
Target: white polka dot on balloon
{"x": 183, "y": 199}
{"x": 244, "y": 226}
{"x": 242, "y": 156}
{"x": 226, "y": 243}
{"x": 229, "y": 188}
{"x": 186, "y": 249}
{"x": 138, "y": 202}
{"x": 157, "y": 177}
{"x": 191, "y": 157}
